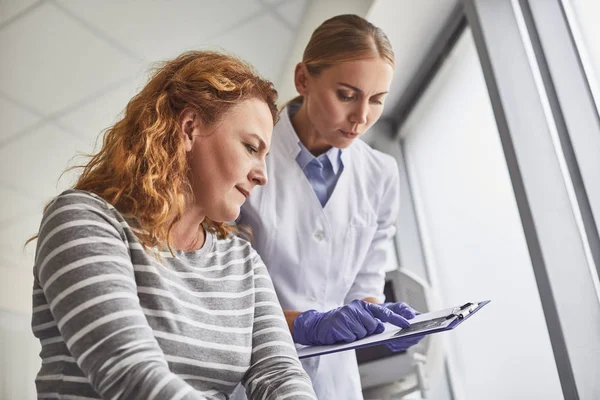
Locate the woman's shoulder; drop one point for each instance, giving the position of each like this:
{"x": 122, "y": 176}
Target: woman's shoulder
{"x": 76, "y": 197}
{"x": 74, "y": 201}
{"x": 372, "y": 160}
{"x": 78, "y": 214}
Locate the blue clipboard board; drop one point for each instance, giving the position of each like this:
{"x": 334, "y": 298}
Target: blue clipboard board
{"x": 422, "y": 324}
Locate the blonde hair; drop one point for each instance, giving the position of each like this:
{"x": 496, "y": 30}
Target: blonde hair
{"x": 142, "y": 167}
{"x": 344, "y": 38}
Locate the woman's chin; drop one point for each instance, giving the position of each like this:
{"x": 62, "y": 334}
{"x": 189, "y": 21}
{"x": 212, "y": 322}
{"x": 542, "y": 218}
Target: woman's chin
{"x": 342, "y": 142}
{"x": 229, "y": 215}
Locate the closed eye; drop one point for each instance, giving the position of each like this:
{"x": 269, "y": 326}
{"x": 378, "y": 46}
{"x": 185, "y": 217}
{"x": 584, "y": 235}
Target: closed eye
{"x": 345, "y": 96}
{"x": 251, "y": 149}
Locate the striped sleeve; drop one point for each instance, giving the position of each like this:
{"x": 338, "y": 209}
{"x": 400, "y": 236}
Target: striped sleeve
{"x": 84, "y": 269}
{"x": 275, "y": 371}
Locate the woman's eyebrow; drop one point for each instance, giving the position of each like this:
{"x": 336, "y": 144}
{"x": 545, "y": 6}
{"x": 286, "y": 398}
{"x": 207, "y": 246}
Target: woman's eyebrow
{"x": 357, "y": 89}
{"x": 261, "y": 141}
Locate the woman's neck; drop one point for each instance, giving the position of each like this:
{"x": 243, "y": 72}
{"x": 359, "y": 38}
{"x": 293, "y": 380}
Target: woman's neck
{"x": 188, "y": 233}
{"x": 308, "y": 135}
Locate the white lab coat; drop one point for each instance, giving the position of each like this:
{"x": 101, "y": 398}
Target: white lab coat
{"x": 323, "y": 257}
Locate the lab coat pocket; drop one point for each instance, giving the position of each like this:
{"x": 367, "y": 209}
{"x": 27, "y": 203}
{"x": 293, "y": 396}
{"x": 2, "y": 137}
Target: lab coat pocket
{"x": 357, "y": 241}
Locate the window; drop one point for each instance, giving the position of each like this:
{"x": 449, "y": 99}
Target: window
{"x": 473, "y": 238}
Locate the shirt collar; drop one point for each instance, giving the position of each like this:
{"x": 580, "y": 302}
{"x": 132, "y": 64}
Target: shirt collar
{"x": 304, "y": 157}
{"x": 333, "y": 155}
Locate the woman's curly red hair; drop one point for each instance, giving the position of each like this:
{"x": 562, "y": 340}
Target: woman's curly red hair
{"x": 142, "y": 167}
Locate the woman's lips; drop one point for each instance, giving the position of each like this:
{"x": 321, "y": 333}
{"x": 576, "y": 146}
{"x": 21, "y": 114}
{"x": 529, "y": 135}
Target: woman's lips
{"x": 349, "y": 135}
{"x": 242, "y": 191}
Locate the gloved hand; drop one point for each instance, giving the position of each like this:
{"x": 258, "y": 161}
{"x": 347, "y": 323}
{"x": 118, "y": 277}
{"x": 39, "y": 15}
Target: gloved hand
{"x": 407, "y": 312}
{"x": 402, "y": 309}
{"x": 403, "y": 344}
{"x": 344, "y": 324}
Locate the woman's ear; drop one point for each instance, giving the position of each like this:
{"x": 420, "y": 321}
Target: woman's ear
{"x": 188, "y": 125}
{"x": 301, "y": 79}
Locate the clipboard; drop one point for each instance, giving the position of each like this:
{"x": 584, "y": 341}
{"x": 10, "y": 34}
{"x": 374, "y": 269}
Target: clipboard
{"x": 422, "y": 324}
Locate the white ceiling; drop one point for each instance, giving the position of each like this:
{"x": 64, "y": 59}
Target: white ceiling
{"x": 69, "y": 67}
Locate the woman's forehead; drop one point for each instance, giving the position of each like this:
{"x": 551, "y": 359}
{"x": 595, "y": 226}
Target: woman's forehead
{"x": 373, "y": 75}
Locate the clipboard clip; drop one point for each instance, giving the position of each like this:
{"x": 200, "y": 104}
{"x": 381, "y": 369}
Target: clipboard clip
{"x": 462, "y": 311}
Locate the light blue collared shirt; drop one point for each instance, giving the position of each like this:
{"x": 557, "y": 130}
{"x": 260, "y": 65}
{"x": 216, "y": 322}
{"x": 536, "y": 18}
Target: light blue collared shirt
{"x": 322, "y": 172}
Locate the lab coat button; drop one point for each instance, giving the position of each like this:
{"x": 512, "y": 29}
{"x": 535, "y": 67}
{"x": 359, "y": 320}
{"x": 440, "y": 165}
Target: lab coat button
{"x": 319, "y": 235}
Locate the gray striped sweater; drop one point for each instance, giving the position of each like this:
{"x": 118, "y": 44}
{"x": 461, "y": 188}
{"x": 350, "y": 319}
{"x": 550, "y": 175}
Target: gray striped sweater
{"x": 116, "y": 322}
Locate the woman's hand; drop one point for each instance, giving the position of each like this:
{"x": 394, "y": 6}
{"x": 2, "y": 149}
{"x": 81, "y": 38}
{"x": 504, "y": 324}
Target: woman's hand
{"x": 402, "y": 309}
{"x": 407, "y": 312}
{"x": 347, "y": 323}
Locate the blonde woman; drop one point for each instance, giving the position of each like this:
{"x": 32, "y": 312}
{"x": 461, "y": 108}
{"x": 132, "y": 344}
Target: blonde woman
{"x": 323, "y": 222}
{"x": 140, "y": 290}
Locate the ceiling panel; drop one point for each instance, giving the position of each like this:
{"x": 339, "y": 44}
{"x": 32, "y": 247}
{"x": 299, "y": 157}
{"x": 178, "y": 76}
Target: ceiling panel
{"x": 264, "y": 42}
{"x": 34, "y": 163}
{"x": 14, "y": 119}
{"x": 275, "y": 2}
{"x": 292, "y": 11}
{"x": 51, "y": 61}
{"x": 11, "y": 8}
{"x": 94, "y": 117}
{"x": 162, "y": 29}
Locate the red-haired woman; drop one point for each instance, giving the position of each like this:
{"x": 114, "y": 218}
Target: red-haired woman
{"x": 140, "y": 290}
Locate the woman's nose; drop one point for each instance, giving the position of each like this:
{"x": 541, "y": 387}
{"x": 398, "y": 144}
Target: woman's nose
{"x": 259, "y": 175}
{"x": 359, "y": 116}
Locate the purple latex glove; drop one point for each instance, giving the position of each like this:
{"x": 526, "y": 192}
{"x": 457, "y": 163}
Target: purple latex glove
{"x": 407, "y": 312}
{"x": 402, "y": 309}
{"x": 344, "y": 324}
{"x": 403, "y": 344}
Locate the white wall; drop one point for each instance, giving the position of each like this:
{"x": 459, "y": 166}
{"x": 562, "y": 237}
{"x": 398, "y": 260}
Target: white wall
{"x": 474, "y": 243}
{"x": 19, "y": 360}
